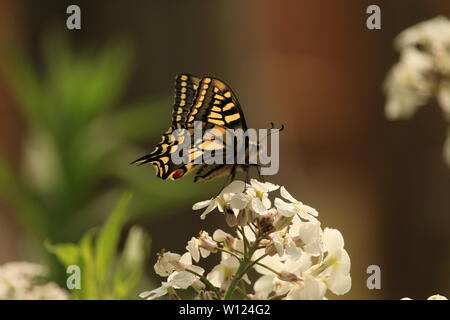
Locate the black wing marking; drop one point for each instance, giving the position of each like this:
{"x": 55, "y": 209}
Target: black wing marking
{"x": 185, "y": 91}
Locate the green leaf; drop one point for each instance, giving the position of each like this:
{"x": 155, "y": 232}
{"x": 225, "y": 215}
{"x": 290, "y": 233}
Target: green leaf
{"x": 131, "y": 264}
{"x": 108, "y": 239}
{"x": 89, "y": 288}
{"x": 67, "y": 253}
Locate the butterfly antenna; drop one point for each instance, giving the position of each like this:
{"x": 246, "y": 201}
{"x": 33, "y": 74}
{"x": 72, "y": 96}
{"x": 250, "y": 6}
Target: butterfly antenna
{"x": 272, "y": 125}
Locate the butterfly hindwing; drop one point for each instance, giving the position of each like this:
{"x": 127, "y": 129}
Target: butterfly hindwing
{"x": 184, "y": 95}
{"x": 209, "y": 172}
{"x": 161, "y": 157}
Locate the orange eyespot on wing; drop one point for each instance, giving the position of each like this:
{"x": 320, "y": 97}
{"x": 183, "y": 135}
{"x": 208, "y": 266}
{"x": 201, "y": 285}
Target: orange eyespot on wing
{"x": 177, "y": 174}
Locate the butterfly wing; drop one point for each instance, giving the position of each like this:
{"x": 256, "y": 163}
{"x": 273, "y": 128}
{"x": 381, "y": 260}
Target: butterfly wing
{"x": 161, "y": 157}
{"x": 185, "y": 91}
{"x": 209, "y": 101}
{"x": 184, "y": 95}
{"x": 216, "y": 104}
{"x": 209, "y": 172}
{"x": 217, "y": 107}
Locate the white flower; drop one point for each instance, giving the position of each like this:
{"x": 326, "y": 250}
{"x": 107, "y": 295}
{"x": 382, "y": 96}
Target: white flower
{"x": 436, "y": 30}
{"x": 156, "y": 293}
{"x": 221, "y": 236}
{"x": 310, "y": 288}
{"x": 437, "y": 297}
{"x": 184, "y": 279}
{"x": 408, "y": 85}
{"x": 21, "y": 281}
{"x": 221, "y": 275}
{"x": 169, "y": 262}
{"x": 166, "y": 263}
{"x": 433, "y": 38}
{"x": 422, "y": 71}
{"x": 433, "y": 297}
{"x": 262, "y": 187}
{"x": 259, "y": 191}
{"x": 295, "y": 283}
{"x": 302, "y": 280}
{"x": 337, "y": 262}
{"x": 256, "y": 197}
{"x": 310, "y": 234}
{"x": 285, "y": 245}
{"x": 293, "y": 207}
{"x": 283, "y": 264}
{"x": 201, "y": 246}
{"x": 180, "y": 272}
{"x": 222, "y": 200}
{"x": 177, "y": 280}
{"x": 268, "y": 284}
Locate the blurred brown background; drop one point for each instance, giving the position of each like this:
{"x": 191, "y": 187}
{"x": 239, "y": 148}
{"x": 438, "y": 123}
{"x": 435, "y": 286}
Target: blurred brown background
{"x": 311, "y": 65}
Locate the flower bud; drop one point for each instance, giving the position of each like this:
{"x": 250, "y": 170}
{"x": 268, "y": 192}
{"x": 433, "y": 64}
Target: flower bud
{"x": 266, "y": 224}
{"x": 271, "y": 250}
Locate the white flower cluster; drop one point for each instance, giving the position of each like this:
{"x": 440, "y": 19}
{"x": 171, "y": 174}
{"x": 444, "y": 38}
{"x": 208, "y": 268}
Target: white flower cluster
{"x": 22, "y": 281}
{"x": 284, "y": 245}
{"x": 423, "y": 70}
{"x": 422, "y": 73}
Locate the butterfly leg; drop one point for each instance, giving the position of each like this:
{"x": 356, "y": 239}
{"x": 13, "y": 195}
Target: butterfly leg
{"x": 258, "y": 168}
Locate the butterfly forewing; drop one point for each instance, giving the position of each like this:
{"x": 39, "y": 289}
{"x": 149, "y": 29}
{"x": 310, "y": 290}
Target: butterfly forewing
{"x": 215, "y": 104}
{"x": 185, "y": 91}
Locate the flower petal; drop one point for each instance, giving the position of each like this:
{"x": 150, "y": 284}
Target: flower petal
{"x": 220, "y": 235}
{"x": 202, "y": 204}
{"x": 333, "y": 241}
{"x": 264, "y": 286}
{"x": 285, "y": 194}
{"x": 284, "y": 208}
{"x": 210, "y": 208}
{"x": 258, "y": 206}
{"x": 239, "y": 201}
{"x": 234, "y": 187}
{"x": 340, "y": 285}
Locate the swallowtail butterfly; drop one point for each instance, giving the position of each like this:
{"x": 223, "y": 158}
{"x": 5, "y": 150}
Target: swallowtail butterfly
{"x": 213, "y": 103}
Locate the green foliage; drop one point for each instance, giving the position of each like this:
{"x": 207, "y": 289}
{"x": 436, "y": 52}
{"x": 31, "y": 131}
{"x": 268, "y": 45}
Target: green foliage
{"x": 104, "y": 273}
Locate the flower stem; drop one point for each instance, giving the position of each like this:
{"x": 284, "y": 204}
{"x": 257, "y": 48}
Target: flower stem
{"x": 245, "y": 265}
